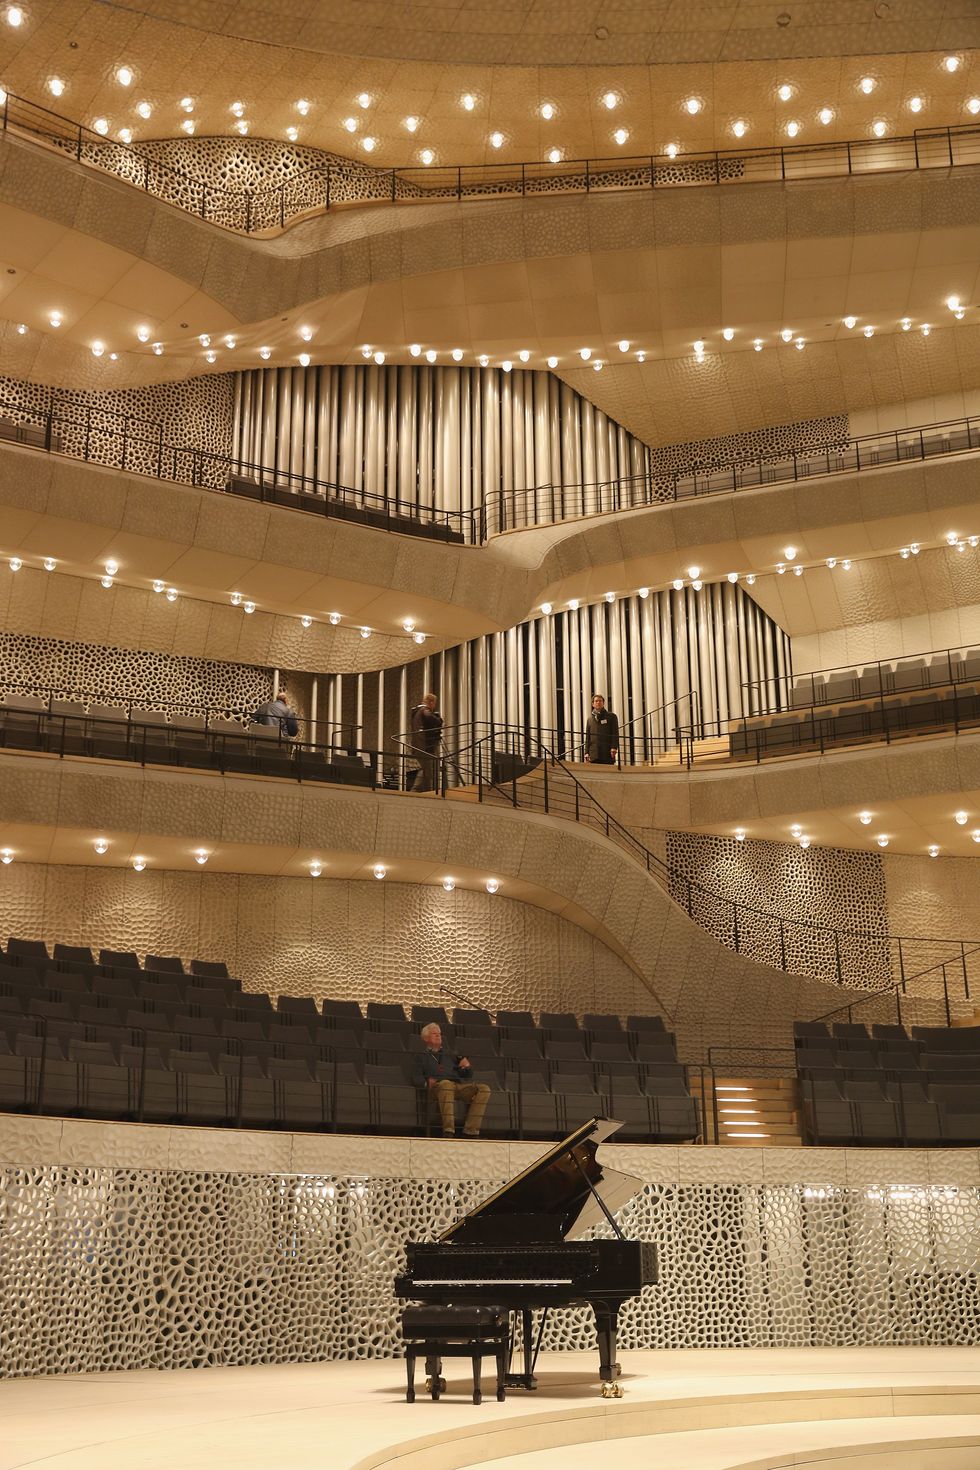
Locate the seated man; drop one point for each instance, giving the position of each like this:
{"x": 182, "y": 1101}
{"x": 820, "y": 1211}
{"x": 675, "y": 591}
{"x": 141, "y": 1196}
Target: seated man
{"x": 449, "y": 1077}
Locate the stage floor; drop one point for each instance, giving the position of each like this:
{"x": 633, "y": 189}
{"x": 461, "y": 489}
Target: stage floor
{"x": 891, "y": 1408}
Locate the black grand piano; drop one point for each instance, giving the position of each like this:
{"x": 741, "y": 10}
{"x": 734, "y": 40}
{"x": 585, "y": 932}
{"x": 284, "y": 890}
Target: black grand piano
{"x": 511, "y": 1251}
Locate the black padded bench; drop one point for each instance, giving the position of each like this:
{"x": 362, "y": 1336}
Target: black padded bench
{"x": 438, "y": 1332}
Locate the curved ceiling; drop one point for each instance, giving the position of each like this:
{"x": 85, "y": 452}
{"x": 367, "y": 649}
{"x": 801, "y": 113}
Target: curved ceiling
{"x": 510, "y": 59}
{"x": 587, "y": 32}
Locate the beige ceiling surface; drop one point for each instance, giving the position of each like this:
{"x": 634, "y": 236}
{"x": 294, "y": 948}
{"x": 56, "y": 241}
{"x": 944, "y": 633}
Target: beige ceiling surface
{"x": 421, "y": 60}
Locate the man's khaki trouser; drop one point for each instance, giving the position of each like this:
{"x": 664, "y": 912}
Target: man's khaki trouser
{"x": 473, "y": 1093}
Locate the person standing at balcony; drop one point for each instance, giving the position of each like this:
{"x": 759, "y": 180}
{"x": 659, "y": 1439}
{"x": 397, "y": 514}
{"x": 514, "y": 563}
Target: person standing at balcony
{"x": 601, "y": 734}
{"x": 277, "y": 712}
{"x": 426, "y": 735}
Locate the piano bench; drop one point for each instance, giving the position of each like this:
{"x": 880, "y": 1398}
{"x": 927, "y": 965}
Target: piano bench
{"x": 438, "y": 1332}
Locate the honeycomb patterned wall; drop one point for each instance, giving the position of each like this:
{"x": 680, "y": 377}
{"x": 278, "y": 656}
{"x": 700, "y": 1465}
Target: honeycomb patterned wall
{"x": 130, "y": 427}
{"x": 121, "y": 1268}
{"x": 808, "y": 438}
{"x": 387, "y": 941}
{"x": 822, "y": 886}
{"x": 119, "y": 676}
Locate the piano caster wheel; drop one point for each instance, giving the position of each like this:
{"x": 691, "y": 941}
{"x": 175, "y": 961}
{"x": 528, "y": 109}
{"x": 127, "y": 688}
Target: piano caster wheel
{"x": 612, "y": 1390}
{"x": 435, "y": 1386}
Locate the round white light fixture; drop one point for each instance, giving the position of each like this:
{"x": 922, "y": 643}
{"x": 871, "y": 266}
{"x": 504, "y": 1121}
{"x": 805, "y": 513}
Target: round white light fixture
{"x": 412, "y": 124}
{"x": 334, "y": 619}
{"x": 610, "y": 100}
{"x": 934, "y": 849}
{"x": 621, "y": 136}
{"x": 915, "y": 104}
{"x": 368, "y": 144}
{"x": 106, "y": 582}
{"x": 101, "y": 846}
{"x": 139, "y": 863}
{"x": 804, "y": 842}
{"x": 457, "y": 354}
{"x": 554, "y": 155}
{"x": 693, "y": 105}
{"x": 961, "y": 818}
{"x": 573, "y": 604}
{"x": 248, "y": 608}
{"x": 350, "y": 124}
{"x": 380, "y": 870}
{"x": 144, "y": 109}
{"x": 492, "y": 885}
{"x": 850, "y": 322}
{"x": 496, "y": 140}
{"x": 864, "y": 818}
{"x": 427, "y": 156}
{"x": 316, "y": 868}
{"x": 101, "y": 126}
{"x": 881, "y": 840}
{"x": 49, "y": 563}
{"x": 678, "y": 584}
{"x": 547, "y": 111}
{"x": 468, "y": 101}
{"x": 201, "y": 856}
{"x": 643, "y": 593}
{"x": 306, "y": 621}
{"x": 449, "y": 884}
{"x": 867, "y": 85}
{"x": 14, "y": 16}
{"x": 671, "y": 150}
{"x": 585, "y": 353}
{"x": 365, "y": 632}
{"x": 6, "y": 856}
{"x": 826, "y": 115}
{"x": 98, "y": 349}
{"x": 431, "y": 354}
{"x": 693, "y": 572}
{"x": 418, "y": 637}
{"x": 951, "y": 63}
{"x": 739, "y": 127}
{"x": 733, "y": 577}
{"x": 739, "y": 834}
{"x": 879, "y": 127}
{"x": 56, "y": 86}
{"x": 784, "y": 91}
{"x": 379, "y": 358}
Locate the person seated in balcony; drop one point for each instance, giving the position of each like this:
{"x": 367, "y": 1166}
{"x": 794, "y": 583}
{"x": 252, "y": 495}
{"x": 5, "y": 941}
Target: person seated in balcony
{"x": 426, "y": 735}
{"x": 277, "y": 712}
{"x": 449, "y": 1078}
{"x": 601, "y": 734}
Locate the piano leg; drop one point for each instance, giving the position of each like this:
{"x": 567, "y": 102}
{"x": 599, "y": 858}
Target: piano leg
{"x": 433, "y": 1376}
{"x": 606, "y": 1317}
{"x": 526, "y": 1379}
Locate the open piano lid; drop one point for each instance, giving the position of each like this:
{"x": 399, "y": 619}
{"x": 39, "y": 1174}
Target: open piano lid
{"x": 553, "y": 1197}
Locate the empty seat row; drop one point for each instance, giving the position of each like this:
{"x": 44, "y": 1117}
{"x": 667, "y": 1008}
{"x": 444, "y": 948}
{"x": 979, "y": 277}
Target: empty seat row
{"x": 927, "y": 671}
{"x": 869, "y": 721}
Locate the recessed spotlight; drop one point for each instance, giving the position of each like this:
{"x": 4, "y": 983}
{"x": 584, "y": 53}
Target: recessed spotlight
{"x": 934, "y": 849}
{"x": 573, "y": 604}
{"x": 524, "y": 355}
{"x": 457, "y": 354}
{"x": 699, "y": 348}
{"x": 365, "y": 632}
{"x": 49, "y": 563}
{"x": 158, "y": 349}
{"x": 597, "y": 367}
{"x": 643, "y": 593}
{"x": 610, "y": 596}
{"x": 248, "y": 608}
{"x": 368, "y": 144}
{"x": 547, "y": 111}
{"x": 693, "y": 105}
{"x": 112, "y": 567}
{"x": 158, "y": 585}
{"x": 265, "y": 353}
{"x": 449, "y": 884}
{"x": 306, "y": 621}
{"x": 784, "y": 92}
{"x": 106, "y": 582}
{"x": 242, "y": 128}
{"x": 237, "y": 109}
{"x": 143, "y": 333}
{"x": 739, "y": 127}
{"x": 139, "y": 863}
{"x": 14, "y": 16}
{"x": 678, "y": 584}
{"x": 427, "y": 156}
{"x": 55, "y": 318}
{"x": 431, "y": 354}
{"x": 693, "y": 572}
{"x": 641, "y": 357}
{"x": 952, "y": 537}
{"x": 850, "y": 322}
{"x": 22, "y": 329}
{"x": 951, "y": 63}
{"x": 925, "y": 329}
{"x": 201, "y": 856}
{"x": 792, "y": 128}
{"x": 799, "y": 344}
{"x": 492, "y": 885}
{"x": 906, "y": 323}
{"x": 623, "y": 346}
{"x": 15, "y": 563}
{"x": 418, "y": 637}
{"x": 879, "y": 127}
{"x": 350, "y": 123}
{"x": 379, "y": 358}
{"x": 780, "y": 568}
{"x": 796, "y": 830}
{"x": 904, "y": 553}
{"x": 334, "y": 619}
{"x": 739, "y": 834}
{"x": 6, "y": 856}
{"x": 846, "y": 564}
{"x": 506, "y": 365}
{"x": 412, "y": 124}
{"x": 101, "y": 126}
{"x": 101, "y": 846}
{"x": 302, "y": 107}
{"x": 379, "y": 870}
{"x": 915, "y": 104}
{"x": 468, "y": 102}
{"x": 671, "y": 150}
{"x": 914, "y": 548}
{"x": 733, "y": 577}
{"x": 98, "y": 349}
{"x": 236, "y": 599}
{"x": 881, "y": 840}
{"x": 316, "y": 868}
{"x": 697, "y": 584}
{"x": 826, "y": 115}
{"x": 750, "y": 579}
{"x": 187, "y": 104}
{"x": 585, "y": 353}
{"x": 867, "y": 85}
{"x": 961, "y": 818}
{"x": 56, "y": 86}
{"x": 496, "y": 140}
{"x": 789, "y": 552}
{"x": 975, "y": 836}
{"x": 621, "y": 136}
{"x": 610, "y": 100}
{"x": 865, "y": 818}
{"x": 292, "y": 134}
{"x": 804, "y": 842}
{"x": 973, "y": 105}
{"x": 172, "y": 594}
{"x": 188, "y": 126}
{"x": 787, "y": 334}
{"x": 304, "y": 359}
{"x": 546, "y": 609}
{"x": 757, "y": 344}
{"x": 554, "y": 155}
{"x": 728, "y": 333}
{"x": 144, "y": 109}
{"x": 415, "y": 350}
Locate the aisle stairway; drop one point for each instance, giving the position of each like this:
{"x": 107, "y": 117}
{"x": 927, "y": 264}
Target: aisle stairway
{"x": 755, "y": 1112}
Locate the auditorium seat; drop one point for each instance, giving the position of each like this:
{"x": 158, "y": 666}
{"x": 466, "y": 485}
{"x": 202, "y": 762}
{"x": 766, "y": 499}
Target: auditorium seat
{"x": 28, "y": 950}
{"x": 210, "y": 969}
{"x": 164, "y": 964}
{"x": 123, "y": 959}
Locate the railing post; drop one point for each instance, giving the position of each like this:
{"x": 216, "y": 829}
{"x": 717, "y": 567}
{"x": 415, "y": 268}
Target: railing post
{"x": 782, "y": 945}
{"x": 545, "y": 764}
{"x": 326, "y": 190}
{"x": 949, "y": 1017}
{"x": 837, "y": 956}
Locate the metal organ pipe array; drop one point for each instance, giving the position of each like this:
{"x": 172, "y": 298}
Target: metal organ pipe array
{"x": 431, "y": 439}
{"x": 671, "y": 658}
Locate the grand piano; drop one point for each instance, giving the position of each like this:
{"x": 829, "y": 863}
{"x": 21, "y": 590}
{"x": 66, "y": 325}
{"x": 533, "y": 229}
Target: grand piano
{"x": 511, "y": 1251}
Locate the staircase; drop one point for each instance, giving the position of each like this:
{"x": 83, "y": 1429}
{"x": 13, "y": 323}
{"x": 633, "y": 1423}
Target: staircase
{"x": 755, "y": 1112}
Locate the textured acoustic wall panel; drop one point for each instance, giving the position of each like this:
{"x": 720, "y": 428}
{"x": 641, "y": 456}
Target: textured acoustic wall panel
{"x": 388, "y": 942}
{"x": 112, "y": 1268}
{"x": 94, "y": 674}
{"x": 821, "y": 886}
{"x": 807, "y": 439}
{"x": 133, "y": 428}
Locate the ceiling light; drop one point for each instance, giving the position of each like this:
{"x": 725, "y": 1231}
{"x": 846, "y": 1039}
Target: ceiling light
{"x": 554, "y": 155}
{"x": 363, "y": 99}
{"x": 546, "y": 608}
{"x": 412, "y": 124}
{"x": 172, "y": 594}
{"x": 573, "y": 604}
{"x": 757, "y": 344}
{"x": 306, "y": 333}
{"x": 914, "y": 548}
{"x": 694, "y": 105}
{"x": 585, "y": 353}
{"x": 804, "y": 842}
{"x": 789, "y": 552}
{"x": 144, "y": 109}
{"x": 237, "y": 109}
{"x": 826, "y": 115}
{"x": 867, "y": 85}
{"x": 864, "y": 818}
{"x": 431, "y": 354}
{"x": 139, "y": 863}
{"x": 418, "y": 637}
{"x": 787, "y": 334}
{"x": 739, "y": 127}
{"x": 101, "y": 846}
{"x": 952, "y": 537}
{"x": 831, "y": 562}
{"x": 799, "y": 344}
{"x": 850, "y": 322}
{"x": 699, "y": 347}
{"x": 211, "y": 356}
{"x": 953, "y": 302}
{"x": 101, "y": 126}
{"x": 409, "y": 625}
{"x": 22, "y": 329}
{"x": 677, "y": 584}
{"x": 158, "y": 349}
{"x": 380, "y": 870}
{"x": 55, "y": 318}
{"x": 610, "y": 100}
{"x": 697, "y": 584}
{"x": 496, "y": 140}
{"x": 248, "y": 608}
{"x": 158, "y": 586}
{"x": 106, "y": 582}
{"x": 524, "y": 355}
{"x": 796, "y": 829}
{"x": 457, "y": 354}
{"x": 236, "y": 599}
{"x": 846, "y": 564}
{"x": 973, "y": 105}
{"x": 204, "y": 339}
{"x": 306, "y": 621}
{"x": 379, "y": 358}
{"x": 98, "y": 349}
{"x": 792, "y": 128}
{"x": 242, "y": 128}
{"x": 188, "y": 126}
{"x": 365, "y": 632}
{"x": 292, "y": 134}
{"x": 368, "y": 144}
{"x": 693, "y": 572}
{"x": 780, "y": 568}
{"x": 15, "y": 563}
{"x": 597, "y": 367}
{"x": 55, "y": 86}
{"x": 547, "y": 111}
{"x": 750, "y": 579}
{"x": 304, "y": 359}
{"x": 449, "y": 884}
{"x": 316, "y": 868}
{"x": 975, "y": 836}
{"x": 468, "y": 101}
{"x": 49, "y": 563}
{"x": 112, "y": 567}
{"x": 951, "y": 63}
{"x": 961, "y": 818}
{"x": 506, "y": 365}
{"x": 906, "y": 323}
{"x": 427, "y": 156}
{"x": 879, "y": 128}
{"x": 15, "y": 16}
{"x": 784, "y": 92}
{"x": 903, "y": 552}
{"x": 187, "y": 104}
{"x": 959, "y": 313}
{"x": 265, "y": 353}
{"x": 643, "y": 593}
{"x": 881, "y": 840}
{"x": 641, "y": 357}
{"x": 415, "y": 350}
{"x": 350, "y": 123}
{"x": 143, "y": 333}
{"x": 915, "y": 104}
{"x": 334, "y": 618}
{"x": 671, "y": 150}
{"x": 201, "y": 856}
{"x": 302, "y": 107}
{"x": 624, "y": 346}
{"x": 925, "y": 329}
{"x": 621, "y": 136}
{"x": 610, "y": 596}
{"x": 492, "y": 885}
{"x": 728, "y": 333}
{"x": 739, "y": 834}
{"x": 934, "y": 849}
{"x": 733, "y": 577}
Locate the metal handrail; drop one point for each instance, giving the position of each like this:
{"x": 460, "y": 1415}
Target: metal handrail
{"x": 886, "y": 669}
{"x": 336, "y": 179}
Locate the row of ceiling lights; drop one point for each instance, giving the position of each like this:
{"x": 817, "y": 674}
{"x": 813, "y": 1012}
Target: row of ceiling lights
{"x": 111, "y": 568}
{"x": 866, "y": 818}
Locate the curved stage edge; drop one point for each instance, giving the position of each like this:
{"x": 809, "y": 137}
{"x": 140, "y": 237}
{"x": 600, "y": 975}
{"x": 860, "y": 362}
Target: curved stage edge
{"x": 907, "y": 1408}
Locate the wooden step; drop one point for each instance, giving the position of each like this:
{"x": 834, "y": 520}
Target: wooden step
{"x": 754, "y": 1112}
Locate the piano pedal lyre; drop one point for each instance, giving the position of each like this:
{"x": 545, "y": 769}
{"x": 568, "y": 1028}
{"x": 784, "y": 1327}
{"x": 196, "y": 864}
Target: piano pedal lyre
{"x": 611, "y": 1390}
{"x": 440, "y": 1385}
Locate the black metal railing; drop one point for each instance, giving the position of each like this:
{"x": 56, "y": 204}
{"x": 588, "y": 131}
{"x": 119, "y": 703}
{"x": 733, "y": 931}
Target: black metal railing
{"x": 333, "y": 179}
{"x": 930, "y": 668}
